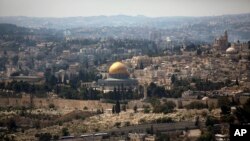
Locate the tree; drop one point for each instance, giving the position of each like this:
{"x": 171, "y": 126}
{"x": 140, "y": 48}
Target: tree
{"x": 165, "y": 108}
{"x": 135, "y": 108}
{"x": 11, "y": 125}
{"x": 65, "y": 132}
{"x": 162, "y": 137}
{"x": 118, "y": 124}
{"x": 113, "y": 109}
{"x": 146, "y": 108}
{"x": 199, "y": 52}
{"x": 98, "y": 111}
{"x": 141, "y": 65}
{"x": 173, "y": 78}
{"x": 152, "y": 130}
{"x": 37, "y": 124}
{"x": 197, "y": 121}
{"x": 243, "y": 113}
{"x": 3, "y": 62}
{"x": 15, "y": 60}
{"x": 51, "y": 106}
{"x": 124, "y": 107}
{"x": 5, "y": 52}
{"x": 196, "y": 105}
{"x": 117, "y": 107}
{"x": 223, "y": 101}
{"x": 207, "y": 136}
{"x": 210, "y": 121}
{"x": 45, "y": 137}
{"x": 237, "y": 82}
{"x": 225, "y": 110}
{"x": 55, "y": 137}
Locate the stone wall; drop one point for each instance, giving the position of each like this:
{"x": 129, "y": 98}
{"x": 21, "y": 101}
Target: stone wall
{"x": 185, "y": 102}
{"x": 66, "y": 104}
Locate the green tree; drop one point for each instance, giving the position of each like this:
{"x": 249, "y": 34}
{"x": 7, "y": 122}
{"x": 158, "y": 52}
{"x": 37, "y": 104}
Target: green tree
{"x": 141, "y": 65}
{"x": 237, "y": 82}
{"x": 199, "y": 52}
{"x": 162, "y": 137}
{"x": 117, "y": 107}
{"x": 196, "y": 105}
{"x": 15, "y": 60}
{"x": 224, "y": 104}
{"x": 113, "y": 109}
{"x": 243, "y": 113}
{"x": 51, "y": 106}
{"x": 223, "y": 101}
{"x": 173, "y": 78}
{"x": 55, "y": 137}
{"x": 135, "y": 109}
{"x": 225, "y": 110}
{"x": 207, "y": 136}
{"x": 11, "y": 125}
{"x": 124, "y": 107}
{"x": 210, "y": 121}
{"x": 65, "y": 131}
{"x": 45, "y": 137}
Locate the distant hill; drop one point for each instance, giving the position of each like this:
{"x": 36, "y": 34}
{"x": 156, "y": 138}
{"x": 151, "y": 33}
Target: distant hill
{"x": 123, "y": 20}
{"x": 122, "y": 26}
{"x": 11, "y": 29}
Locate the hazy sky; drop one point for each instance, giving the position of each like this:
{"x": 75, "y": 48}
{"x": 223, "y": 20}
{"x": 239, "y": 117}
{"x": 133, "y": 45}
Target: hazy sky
{"x": 152, "y": 8}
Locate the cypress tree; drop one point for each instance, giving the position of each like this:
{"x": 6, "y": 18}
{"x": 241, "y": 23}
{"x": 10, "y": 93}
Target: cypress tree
{"x": 117, "y": 107}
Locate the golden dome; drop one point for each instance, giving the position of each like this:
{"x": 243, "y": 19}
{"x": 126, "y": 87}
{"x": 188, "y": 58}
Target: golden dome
{"x": 118, "y": 68}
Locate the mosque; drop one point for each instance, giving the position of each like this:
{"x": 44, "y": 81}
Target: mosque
{"x": 118, "y": 78}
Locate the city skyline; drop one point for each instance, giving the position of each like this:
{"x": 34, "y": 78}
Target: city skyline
{"x": 149, "y": 8}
